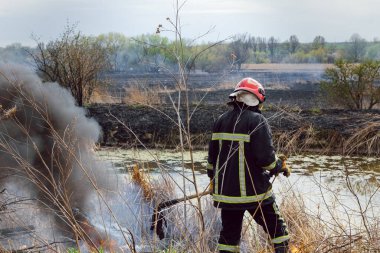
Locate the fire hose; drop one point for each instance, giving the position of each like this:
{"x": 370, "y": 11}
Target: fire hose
{"x": 158, "y": 218}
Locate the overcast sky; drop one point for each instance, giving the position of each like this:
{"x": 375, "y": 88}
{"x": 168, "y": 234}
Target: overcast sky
{"x": 336, "y": 20}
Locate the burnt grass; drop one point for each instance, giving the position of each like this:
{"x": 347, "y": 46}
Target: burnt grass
{"x": 300, "y": 119}
{"x": 294, "y": 130}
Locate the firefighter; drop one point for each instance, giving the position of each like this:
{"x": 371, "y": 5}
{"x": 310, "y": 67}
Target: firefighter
{"x": 241, "y": 161}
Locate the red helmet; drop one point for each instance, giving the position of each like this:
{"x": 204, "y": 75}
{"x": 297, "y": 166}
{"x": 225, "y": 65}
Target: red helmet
{"x": 252, "y": 86}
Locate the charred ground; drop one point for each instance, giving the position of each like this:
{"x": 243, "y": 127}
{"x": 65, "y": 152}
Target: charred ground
{"x": 300, "y": 118}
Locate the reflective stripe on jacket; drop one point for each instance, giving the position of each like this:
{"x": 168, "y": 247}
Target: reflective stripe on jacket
{"x": 240, "y": 153}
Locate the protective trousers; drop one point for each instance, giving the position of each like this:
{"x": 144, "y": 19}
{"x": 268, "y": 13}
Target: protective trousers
{"x": 267, "y": 216}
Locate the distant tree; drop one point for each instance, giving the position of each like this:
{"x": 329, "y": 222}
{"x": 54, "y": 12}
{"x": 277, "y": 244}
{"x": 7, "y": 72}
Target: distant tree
{"x": 74, "y": 61}
{"x": 356, "y": 49}
{"x": 253, "y": 43}
{"x": 353, "y": 85}
{"x": 116, "y": 45}
{"x": 318, "y": 42}
{"x": 318, "y": 55}
{"x": 262, "y": 44}
{"x": 240, "y": 47}
{"x": 213, "y": 59}
{"x": 373, "y": 51}
{"x": 254, "y": 47}
{"x": 154, "y": 50}
{"x": 293, "y": 44}
{"x": 272, "y": 48}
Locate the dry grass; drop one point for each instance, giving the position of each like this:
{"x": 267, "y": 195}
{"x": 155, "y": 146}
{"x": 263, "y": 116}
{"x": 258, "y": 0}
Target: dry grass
{"x": 102, "y": 96}
{"x": 141, "y": 178}
{"x": 361, "y": 139}
{"x": 9, "y": 113}
{"x": 306, "y": 231}
{"x": 296, "y": 141}
{"x": 366, "y": 139}
{"x": 143, "y": 94}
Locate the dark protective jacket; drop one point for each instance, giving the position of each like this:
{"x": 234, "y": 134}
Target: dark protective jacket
{"x": 240, "y": 154}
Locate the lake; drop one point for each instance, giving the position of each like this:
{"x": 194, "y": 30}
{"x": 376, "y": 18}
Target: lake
{"x": 333, "y": 188}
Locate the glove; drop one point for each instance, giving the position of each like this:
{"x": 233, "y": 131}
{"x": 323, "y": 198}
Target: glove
{"x": 286, "y": 171}
{"x": 281, "y": 167}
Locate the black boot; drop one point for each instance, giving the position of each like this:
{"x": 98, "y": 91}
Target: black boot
{"x": 281, "y": 247}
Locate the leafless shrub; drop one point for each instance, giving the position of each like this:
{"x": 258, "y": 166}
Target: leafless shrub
{"x": 74, "y": 61}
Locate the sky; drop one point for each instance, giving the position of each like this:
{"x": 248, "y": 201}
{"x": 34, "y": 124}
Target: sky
{"x": 335, "y": 20}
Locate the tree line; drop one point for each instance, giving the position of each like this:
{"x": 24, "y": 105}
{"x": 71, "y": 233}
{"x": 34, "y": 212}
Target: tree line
{"x": 153, "y": 52}
{"x": 77, "y": 61}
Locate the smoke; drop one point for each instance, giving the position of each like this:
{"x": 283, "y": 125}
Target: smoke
{"x": 46, "y": 145}
{"x": 16, "y": 53}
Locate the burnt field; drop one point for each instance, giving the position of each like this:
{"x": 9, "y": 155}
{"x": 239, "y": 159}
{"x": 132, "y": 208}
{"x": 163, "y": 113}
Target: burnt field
{"x": 322, "y": 131}
{"x": 292, "y": 98}
{"x": 270, "y": 78}
{"x": 289, "y": 75}
{"x": 301, "y": 119}
{"x": 283, "y": 87}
